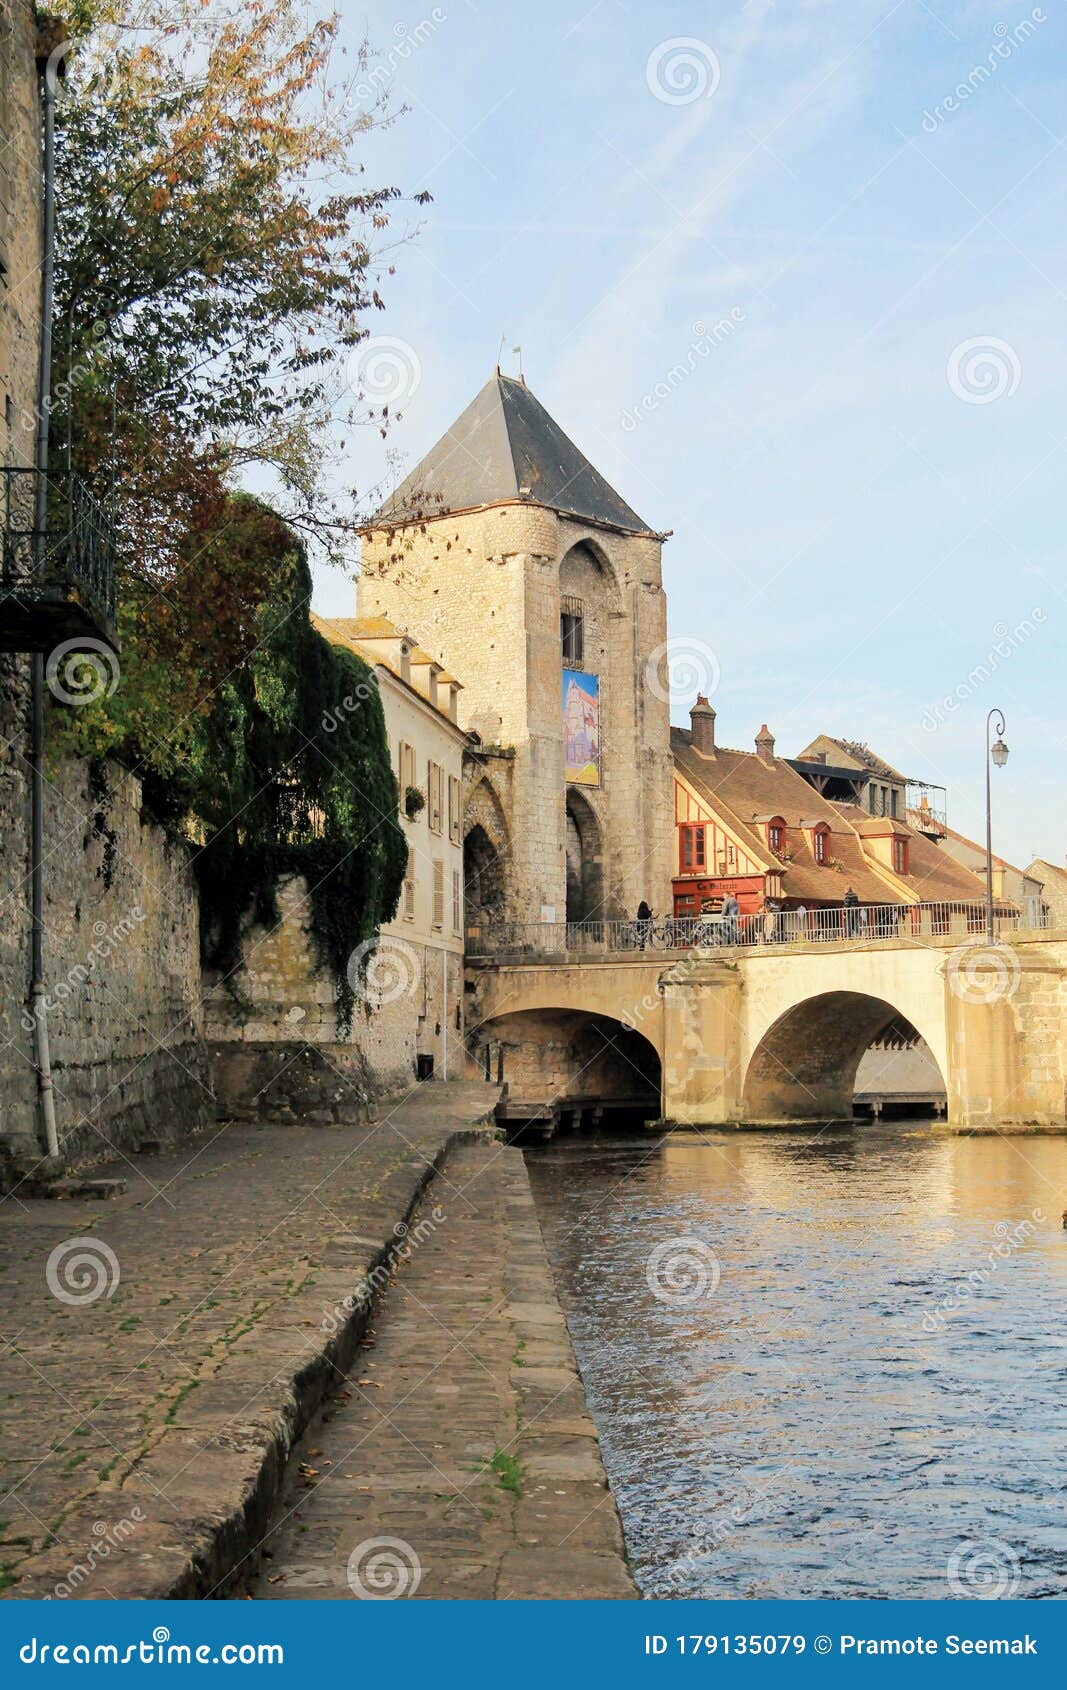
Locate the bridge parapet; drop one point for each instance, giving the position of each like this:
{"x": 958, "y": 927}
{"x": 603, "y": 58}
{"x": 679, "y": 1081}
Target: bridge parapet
{"x": 932, "y": 923}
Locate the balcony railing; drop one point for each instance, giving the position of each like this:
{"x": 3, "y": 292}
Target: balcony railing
{"x": 57, "y": 582}
{"x": 905, "y": 923}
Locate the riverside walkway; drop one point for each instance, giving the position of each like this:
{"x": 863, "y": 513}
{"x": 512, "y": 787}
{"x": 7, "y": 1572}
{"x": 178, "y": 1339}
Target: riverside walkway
{"x": 161, "y": 1352}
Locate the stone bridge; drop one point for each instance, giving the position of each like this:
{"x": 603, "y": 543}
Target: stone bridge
{"x": 775, "y": 1035}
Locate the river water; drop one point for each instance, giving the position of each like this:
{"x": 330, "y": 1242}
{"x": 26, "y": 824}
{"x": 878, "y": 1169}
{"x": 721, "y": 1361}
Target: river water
{"x": 822, "y": 1364}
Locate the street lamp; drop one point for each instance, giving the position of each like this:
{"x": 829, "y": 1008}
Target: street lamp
{"x": 998, "y": 753}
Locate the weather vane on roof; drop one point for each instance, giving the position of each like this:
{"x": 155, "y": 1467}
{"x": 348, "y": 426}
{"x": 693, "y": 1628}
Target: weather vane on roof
{"x": 518, "y": 353}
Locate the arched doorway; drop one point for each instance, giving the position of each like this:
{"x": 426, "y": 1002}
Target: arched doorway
{"x": 804, "y": 1067}
{"x": 485, "y": 856}
{"x": 584, "y": 840}
{"x": 483, "y": 877}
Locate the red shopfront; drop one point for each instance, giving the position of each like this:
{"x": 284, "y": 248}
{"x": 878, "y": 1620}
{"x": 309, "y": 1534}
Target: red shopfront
{"x": 704, "y": 897}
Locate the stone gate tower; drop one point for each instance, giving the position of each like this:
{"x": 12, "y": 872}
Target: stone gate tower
{"x": 509, "y": 557}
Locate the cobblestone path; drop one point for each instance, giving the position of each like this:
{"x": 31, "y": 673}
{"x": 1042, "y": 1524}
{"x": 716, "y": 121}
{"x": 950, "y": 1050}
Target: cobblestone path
{"x": 156, "y": 1350}
{"x": 458, "y": 1460}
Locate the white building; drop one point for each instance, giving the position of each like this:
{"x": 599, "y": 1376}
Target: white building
{"x": 416, "y": 1024}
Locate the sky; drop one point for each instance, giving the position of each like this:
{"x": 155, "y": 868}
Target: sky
{"x": 792, "y": 276}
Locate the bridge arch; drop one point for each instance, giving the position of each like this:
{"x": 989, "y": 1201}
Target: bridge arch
{"x": 804, "y": 1066}
{"x": 553, "y": 1058}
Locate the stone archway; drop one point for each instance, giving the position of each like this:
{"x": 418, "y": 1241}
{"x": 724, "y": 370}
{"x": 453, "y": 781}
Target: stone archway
{"x": 804, "y": 1067}
{"x": 557, "y": 1058}
{"x": 584, "y": 845}
{"x": 483, "y": 877}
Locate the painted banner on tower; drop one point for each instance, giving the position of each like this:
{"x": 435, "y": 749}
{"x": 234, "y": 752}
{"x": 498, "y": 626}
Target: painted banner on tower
{"x": 581, "y": 727}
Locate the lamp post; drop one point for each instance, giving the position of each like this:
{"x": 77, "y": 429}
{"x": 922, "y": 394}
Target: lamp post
{"x": 997, "y": 754}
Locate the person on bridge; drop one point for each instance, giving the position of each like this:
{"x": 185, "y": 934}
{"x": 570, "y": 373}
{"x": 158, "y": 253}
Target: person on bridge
{"x": 644, "y": 924}
{"x": 731, "y": 911}
{"x": 770, "y": 921}
{"x": 852, "y": 919}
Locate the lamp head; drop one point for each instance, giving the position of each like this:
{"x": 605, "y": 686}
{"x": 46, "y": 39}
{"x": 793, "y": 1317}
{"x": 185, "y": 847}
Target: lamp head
{"x": 999, "y": 754}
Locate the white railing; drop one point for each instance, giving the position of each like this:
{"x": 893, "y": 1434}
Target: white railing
{"x": 858, "y": 924}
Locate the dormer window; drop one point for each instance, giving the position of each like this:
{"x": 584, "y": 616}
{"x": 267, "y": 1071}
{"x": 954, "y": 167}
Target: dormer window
{"x": 900, "y": 855}
{"x": 776, "y": 835}
{"x": 571, "y": 632}
{"x": 820, "y": 838}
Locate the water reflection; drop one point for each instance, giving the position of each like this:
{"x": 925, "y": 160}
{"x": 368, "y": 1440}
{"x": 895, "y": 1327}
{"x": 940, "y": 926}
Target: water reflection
{"x": 870, "y": 1402}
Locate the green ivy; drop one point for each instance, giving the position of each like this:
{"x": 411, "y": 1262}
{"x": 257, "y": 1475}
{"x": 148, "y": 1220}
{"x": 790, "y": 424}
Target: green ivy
{"x": 298, "y": 782}
{"x": 281, "y": 767}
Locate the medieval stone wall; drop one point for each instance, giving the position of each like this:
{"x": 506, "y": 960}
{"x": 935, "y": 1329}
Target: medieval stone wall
{"x": 122, "y": 966}
{"x": 20, "y": 234}
{"x": 281, "y": 996}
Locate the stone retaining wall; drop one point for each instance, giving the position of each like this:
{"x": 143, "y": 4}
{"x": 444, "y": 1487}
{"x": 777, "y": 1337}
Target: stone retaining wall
{"x": 121, "y": 960}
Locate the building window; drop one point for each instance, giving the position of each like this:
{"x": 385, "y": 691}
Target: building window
{"x": 872, "y": 798}
{"x": 693, "y": 847}
{"x": 438, "y": 893}
{"x": 900, "y": 856}
{"x": 455, "y": 810}
{"x": 406, "y": 761}
{"x": 571, "y": 631}
{"x": 893, "y": 797}
{"x": 409, "y": 887}
{"x": 457, "y": 901}
{"x": 819, "y": 844}
{"x": 435, "y": 794}
{"x": 776, "y": 835}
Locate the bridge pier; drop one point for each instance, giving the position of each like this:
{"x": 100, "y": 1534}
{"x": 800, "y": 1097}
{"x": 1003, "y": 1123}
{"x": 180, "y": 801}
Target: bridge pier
{"x": 700, "y": 1046}
{"x": 1007, "y": 1040}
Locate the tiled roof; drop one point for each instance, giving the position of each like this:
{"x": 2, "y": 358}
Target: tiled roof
{"x": 739, "y": 786}
{"x": 933, "y": 876}
{"x": 859, "y": 752}
{"x": 505, "y": 446}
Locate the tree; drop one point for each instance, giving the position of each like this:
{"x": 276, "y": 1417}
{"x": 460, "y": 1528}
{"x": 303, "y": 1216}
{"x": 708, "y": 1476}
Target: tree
{"x": 213, "y": 264}
{"x": 213, "y": 261}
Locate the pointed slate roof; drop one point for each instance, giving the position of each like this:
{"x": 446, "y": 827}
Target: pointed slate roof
{"x": 506, "y": 446}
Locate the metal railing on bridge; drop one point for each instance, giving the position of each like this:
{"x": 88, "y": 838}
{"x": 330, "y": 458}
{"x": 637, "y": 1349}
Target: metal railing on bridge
{"x": 905, "y": 923}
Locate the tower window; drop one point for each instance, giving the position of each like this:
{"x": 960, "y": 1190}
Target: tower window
{"x": 571, "y": 631}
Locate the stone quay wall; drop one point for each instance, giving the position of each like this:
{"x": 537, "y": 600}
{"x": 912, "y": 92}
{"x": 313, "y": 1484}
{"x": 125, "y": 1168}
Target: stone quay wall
{"x": 122, "y": 968}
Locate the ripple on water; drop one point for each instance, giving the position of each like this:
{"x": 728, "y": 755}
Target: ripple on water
{"x": 874, "y": 1385}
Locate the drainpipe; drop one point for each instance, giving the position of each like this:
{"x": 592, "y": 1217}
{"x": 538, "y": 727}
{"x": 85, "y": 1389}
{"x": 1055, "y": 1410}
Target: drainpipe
{"x": 38, "y": 1001}
{"x": 444, "y": 1017}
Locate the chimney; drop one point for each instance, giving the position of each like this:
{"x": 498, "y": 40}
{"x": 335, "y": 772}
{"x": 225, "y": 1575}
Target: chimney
{"x": 702, "y": 717}
{"x": 765, "y": 746}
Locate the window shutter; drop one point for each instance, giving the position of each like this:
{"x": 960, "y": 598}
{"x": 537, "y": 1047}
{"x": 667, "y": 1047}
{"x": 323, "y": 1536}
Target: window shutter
{"x": 409, "y": 887}
{"x": 457, "y": 901}
{"x": 438, "y": 893}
